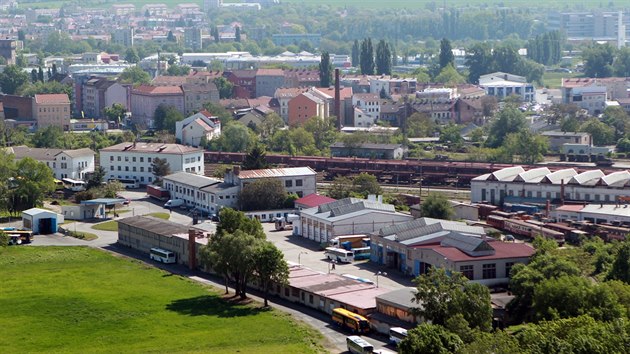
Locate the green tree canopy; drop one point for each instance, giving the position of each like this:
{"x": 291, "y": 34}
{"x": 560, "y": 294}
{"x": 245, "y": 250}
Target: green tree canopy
{"x": 160, "y": 168}
{"x": 602, "y": 133}
{"x": 509, "y": 120}
{"x": 446, "y": 54}
{"x": 32, "y": 181}
{"x": 165, "y": 118}
{"x": 224, "y": 86}
{"x": 430, "y": 338}
{"x": 11, "y": 78}
{"x": 263, "y": 194}
{"x": 255, "y": 158}
{"x": 135, "y": 75}
{"x": 620, "y": 269}
{"x": 365, "y": 184}
{"x": 598, "y": 60}
{"x": 437, "y": 206}
{"x": 270, "y": 267}
{"x": 325, "y": 70}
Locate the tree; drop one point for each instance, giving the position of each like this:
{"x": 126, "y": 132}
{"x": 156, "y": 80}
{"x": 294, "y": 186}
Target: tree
{"x": 419, "y": 125}
{"x": 509, "y": 120}
{"x": 115, "y": 112}
{"x": 219, "y": 111}
{"x": 33, "y": 181}
{"x": 270, "y": 125}
{"x": 224, "y": 86}
{"x": 232, "y": 220}
{"x": 165, "y": 118}
{"x": 255, "y": 158}
{"x": 506, "y": 59}
{"x": 48, "y": 137}
{"x": 160, "y": 168}
{"x": 270, "y": 267}
{"x": 263, "y": 194}
{"x": 30, "y": 90}
{"x": 341, "y": 187}
{"x": 237, "y": 34}
{"x": 355, "y": 53}
{"x": 621, "y": 64}
{"x": 451, "y": 134}
{"x": 34, "y": 75}
{"x": 383, "y": 58}
{"x": 367, "y": 57}
{"x": 617, "y": 118}
{"x": 437, "y": 206}
{"x": 620, "y": 269}
{"x": 325, "y": 70}
{"x": 135, "y": 75}
{"x": 170, "y": 37}
{"x": 96, "y": 178}
{"x": 530, "y": 148}
{"x": 498, "y": 342}
{"x": 11, "y": 78}
{"x": 479, "y": 61}
{"x": 178, "y": 70}
{"x": 366, "y": 184}
{"x": 602, "y": 134}
{"x": 235, "y": 137}
{"x": 40, "y": 74}
{"x": 449, "y": 76}
{"x": 430, "y": 338}
{"x": 442, "y": 295}
{"x": 446, "y": 54}
{"x": 598, "y": 60}
{"x": 131, "y": 55}
{"x": 324, "y": 131}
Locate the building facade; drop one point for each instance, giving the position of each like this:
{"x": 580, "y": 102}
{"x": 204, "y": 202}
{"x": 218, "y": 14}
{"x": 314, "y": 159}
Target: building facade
{"x": 52, "y": 110}
{"x": 73, "y": 164}
{"x": 134, "y": 160}
{"x": 145, "y": 99}
{"x": 192, "y": 130}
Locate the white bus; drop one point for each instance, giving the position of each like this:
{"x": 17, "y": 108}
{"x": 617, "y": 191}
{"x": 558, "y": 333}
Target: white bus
{"x": 339, "y": 255}
{"x": 397, "y": 334}
{"x": 358, "y": 345}
{"x": 127, "y": 183}
{"x": 163, "y": 256}
{"x": 73, "y": 185}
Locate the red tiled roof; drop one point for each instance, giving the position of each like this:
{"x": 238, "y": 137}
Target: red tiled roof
{"x": 269, "y": 72}
{"x": 158, "y": 90}
{"x": 503, "y": 250}
{"x": 313, "y": 200}
{"x": 52, "y": 98}
{"x": 344, "y": 92}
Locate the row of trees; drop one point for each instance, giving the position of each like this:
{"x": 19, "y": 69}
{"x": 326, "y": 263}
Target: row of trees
{"x": 363, "y": 56}
{"x": 240, "y": 253}
{"x": 546, "y": 48}
{"x": 604, "y": 60}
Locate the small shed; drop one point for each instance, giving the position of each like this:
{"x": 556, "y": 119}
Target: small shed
{"x": 41, "y": 221}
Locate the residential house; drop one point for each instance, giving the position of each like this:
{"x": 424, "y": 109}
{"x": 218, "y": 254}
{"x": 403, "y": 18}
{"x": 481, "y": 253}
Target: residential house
{"x": 131, "y": 160}
{"x": 284, "y": 95}
{"x": 16, "y": 107}
{"x": 198, "y": 94}
{"x": 345, "y": 102}
{"x": 145, "y": 99}
{"x": 440, "y": 111}
{"x": 586, "y": 93}
{"x": 301, "y": 78}
{"x": 558, "y": 138}
{"x": 469, "y": 110}
{"x": 306, "y": 105}
{"x": 268, "y": 81}
{"x": 123, "y": 9}
{"x": 367, "y": 108}
{"x": 52, "y": 110}
{"x": 196, "y": 128}
{"x": 74, "y": 164}
{"x": 100, "y": 93}
{"x": 394, "y": 113}
{"x": 244, "y": 82}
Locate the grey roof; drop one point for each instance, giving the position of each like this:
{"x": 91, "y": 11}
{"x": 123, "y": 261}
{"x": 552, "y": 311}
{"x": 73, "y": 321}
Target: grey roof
{"x": 219, "y": 187}
{"x": 472, "y": 246}
{"x": 39, "y": 154}
{"x": 79, "y": 152}
{"x": 401, "y": 298}
{"x": 191, "y": 179}
{"x": 324, "y": 208}
{"x": 561, "y": 133}
{"x": 155, "y": 225}
{"x": 425, "y": 228}
{"x": 362, "y": 205}
{"x": 368, "y": 146}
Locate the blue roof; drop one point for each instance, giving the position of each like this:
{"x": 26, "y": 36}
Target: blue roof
{"x": 106, "y": 201}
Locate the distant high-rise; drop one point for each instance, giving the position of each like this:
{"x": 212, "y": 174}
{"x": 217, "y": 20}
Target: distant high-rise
{"x": 211, "y": 4}
{"x": 611, "y": 26}
{"x": 192, "y": 38}
{"x": 7, "y": 49}
{"x": 123, "y": 36}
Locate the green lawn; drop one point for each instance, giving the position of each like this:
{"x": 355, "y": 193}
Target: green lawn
{"x": 81, "y": 300}
{"x": 112, "y": 225}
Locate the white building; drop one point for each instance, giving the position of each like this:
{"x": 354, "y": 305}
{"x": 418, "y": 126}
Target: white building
{"x": 73, "y": 164}
{"x": 595, "y": 213}
{"x": 133, "y": 160}
{"x": 588, "y": 94}
{"x": 503, "y": 85}
{"x": 515, "y": 184}
{"x": 349, "y": 216}
{"x": 367, "y": 109}
{"x": 193, "y": 189}
{"x": 192, "y": 130}
{"x": 299, "y": 180}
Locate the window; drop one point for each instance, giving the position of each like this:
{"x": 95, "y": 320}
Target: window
{"x": 508, "y": 268}
{"x": 111, "y": 158}
{"x": 150, "y": 179}
{"x": 127, "y": 168}
{"x": 134, "y": 168}
{"x": 298, "y": 183}
{"x": 133, "y": 159}
{"x": 467, "y": 271}
{"x": 118, "y": 168}
{"x": 118, "y": 158}
{"x": 148, "y": 159}
{"x": 111, "y": 168}
{"x": 141, "y": 159}
{"x": 310, "y": 298}
{"x": 489, "y": 271}
{"x": 141, "y": 169}
{"x": 288, "y": 183}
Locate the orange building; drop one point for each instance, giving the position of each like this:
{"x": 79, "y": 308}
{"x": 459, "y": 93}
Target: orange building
{"x": 52, "y": 110}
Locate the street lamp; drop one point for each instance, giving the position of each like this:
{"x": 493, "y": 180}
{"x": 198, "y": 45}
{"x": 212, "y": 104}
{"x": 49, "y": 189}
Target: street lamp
{"x": 299, "y": 255}
{"x": 379, "y": 273}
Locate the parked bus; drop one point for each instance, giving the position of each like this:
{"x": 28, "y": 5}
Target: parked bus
{"x": 73, "y": 185}
{"x": 362, "y": 253}
{"x": 163, "y": 256}
{"x": 359, "y": 345}
{"x": 397, "y": 334}
{"x": 338, "y": 254}
{"x": 350, "y": 320}
{"x": 127, "y": 183}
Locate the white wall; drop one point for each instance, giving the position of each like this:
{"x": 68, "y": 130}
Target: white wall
{"x": 143, "y": 172}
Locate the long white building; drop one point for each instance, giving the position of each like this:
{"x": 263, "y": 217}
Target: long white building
{"x": 206, "y": 194}
{"x": 133, "y": 160}
{"x": 515, "y": 184}
{"x": 73, "y": 164}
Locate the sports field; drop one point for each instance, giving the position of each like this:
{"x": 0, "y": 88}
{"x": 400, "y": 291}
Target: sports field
{"x": 81, "y": 300}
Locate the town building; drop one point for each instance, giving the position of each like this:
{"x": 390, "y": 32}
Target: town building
{"x": 304, "y": 106}
{"x": 244, "y": 82}
{"x": 17, "y": 107}
{"x": 193, "y": 38}
{"x": 188, "y": 187}
{"x": 8, "y": 49}
{"x": 123, "y": 9}
{"x": 368, "y": 150}
{"x": 73, "y": 164}
{"x": 284, "y": 95}
{"x": 312, "y": 201}
{"x": 584, "y": 152}
{"x": 367, "y": 108}
{"x": 395, "y": 309}
{"x": 612, "y": 214}
{"x": 597, "y": 25}
{"x": 504, "y": 85}
{"x": 198, "y": 94}
{"x": 52, "y": 110}
{"x": 586, "y": 93}
{"x": 100, "y": 93}
{"x": 348, "y": 216}
{"x": 131, "y": 160}
{"x": 539, "y": 185}
{"x": 196, "y": 128}
{"x": 299, "y": 180}
{"x": 145, "y": 99}
{"x": 155, "y": 9}
{"x": 124, "y": 36}
{"x": 558, "y": 138}
{"x": 268, "y": 81}
{"x": 417, "y": 246}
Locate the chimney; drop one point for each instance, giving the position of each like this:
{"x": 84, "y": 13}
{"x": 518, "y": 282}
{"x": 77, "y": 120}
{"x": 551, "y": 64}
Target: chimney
{"x": 337, "y": 99}
{"x": 562, "y": 191}
{"x": 192, "y": 251}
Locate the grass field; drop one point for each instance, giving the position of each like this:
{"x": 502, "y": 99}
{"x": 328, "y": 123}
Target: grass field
{"x": 81, "y": 300}
{"x": 112, "y": 225}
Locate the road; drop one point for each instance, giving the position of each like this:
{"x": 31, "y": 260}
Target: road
{"x": 296, "y": 249}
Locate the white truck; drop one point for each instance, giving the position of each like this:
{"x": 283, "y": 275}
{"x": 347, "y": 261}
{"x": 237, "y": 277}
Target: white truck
{"x": 173, "y": 203}
{"x": 286, "y": 223}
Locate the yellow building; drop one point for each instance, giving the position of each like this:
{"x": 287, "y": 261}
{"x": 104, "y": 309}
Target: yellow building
{"x": 52, "y": 110}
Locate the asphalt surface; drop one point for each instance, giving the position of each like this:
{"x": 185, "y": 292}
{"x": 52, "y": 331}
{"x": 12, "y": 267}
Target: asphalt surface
{"x": 295, "y": 248}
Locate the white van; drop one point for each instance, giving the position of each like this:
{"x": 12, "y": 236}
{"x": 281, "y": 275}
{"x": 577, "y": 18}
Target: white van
{"x": 173, "y": 203}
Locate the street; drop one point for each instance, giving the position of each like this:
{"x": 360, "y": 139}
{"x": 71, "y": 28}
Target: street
{"x": 295, "y": 248}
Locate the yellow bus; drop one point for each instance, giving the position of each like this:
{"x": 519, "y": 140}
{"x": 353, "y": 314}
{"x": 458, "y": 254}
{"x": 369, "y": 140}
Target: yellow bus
{"x": 350, "y": 320}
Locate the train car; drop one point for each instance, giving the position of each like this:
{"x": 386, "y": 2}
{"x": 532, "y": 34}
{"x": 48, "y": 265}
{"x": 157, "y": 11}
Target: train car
{"x": 609, "y": 232}
{"x": 496, "y": 221}
{"x": 527, "y": 229}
